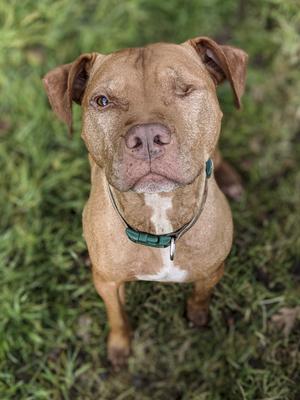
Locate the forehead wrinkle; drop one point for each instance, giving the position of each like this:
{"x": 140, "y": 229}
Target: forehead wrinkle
{"x": 114, "y": 60}
{"x": 109, "y": 76}
{"x": 178, "y": 55}
{"x": 180, "y": 73}
{"x": 117, "y": 85}
{"x": 134, "y": 56}
{"x": 139, "y": 62}
{"x": 143, "y": 64}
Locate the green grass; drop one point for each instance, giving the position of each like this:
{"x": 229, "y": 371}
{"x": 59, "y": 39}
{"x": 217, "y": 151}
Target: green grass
{"x": 52, "y": 324}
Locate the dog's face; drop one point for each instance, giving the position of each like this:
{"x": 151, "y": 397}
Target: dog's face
{"x": 160, "y": 120}
{"x": 151, "y": 117}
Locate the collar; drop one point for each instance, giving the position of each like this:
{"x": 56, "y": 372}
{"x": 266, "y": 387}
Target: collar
{"x": 167, "y": 239}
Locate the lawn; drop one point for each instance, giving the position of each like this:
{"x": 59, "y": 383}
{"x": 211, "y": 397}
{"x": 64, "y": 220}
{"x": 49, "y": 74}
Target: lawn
{"x": 52, "y": 324}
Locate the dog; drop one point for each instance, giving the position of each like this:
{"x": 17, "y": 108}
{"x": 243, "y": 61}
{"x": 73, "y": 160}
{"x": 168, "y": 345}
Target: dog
{"x": 151, "y": 122}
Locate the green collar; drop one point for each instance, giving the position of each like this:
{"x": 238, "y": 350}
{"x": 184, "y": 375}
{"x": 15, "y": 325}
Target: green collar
{"x": 168, "y": 239}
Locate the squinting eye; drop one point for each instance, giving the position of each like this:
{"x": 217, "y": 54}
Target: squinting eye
{"x": 102, "y": 101}
{"x": 185, "y": 90}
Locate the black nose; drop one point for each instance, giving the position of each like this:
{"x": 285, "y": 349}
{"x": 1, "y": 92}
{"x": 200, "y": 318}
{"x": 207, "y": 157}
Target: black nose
{"x": 148, "y": 141}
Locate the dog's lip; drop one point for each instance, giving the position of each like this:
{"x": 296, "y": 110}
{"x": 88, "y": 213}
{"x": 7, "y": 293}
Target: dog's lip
{"x": 152, "y": 177}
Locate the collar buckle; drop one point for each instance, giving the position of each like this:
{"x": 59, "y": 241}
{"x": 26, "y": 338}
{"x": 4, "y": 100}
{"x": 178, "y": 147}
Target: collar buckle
{"x": 148, "y": 239}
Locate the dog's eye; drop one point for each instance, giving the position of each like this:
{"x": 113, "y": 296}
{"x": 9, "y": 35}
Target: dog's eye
{"x": 184, "y": 90}
{"x": 102, "y": 101}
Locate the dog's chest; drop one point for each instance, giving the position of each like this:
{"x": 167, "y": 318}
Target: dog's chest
{"x": 168, "y": 270}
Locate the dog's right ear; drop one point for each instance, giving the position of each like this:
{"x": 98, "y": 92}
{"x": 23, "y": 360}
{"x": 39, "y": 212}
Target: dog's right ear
{"x": 66, "y": 83}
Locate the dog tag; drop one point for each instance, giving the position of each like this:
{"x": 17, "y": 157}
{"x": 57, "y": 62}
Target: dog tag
{"x": 172, "y": 249}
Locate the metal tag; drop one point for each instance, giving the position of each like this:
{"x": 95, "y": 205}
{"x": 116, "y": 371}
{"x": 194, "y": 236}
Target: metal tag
{"x": 172, "y": 249}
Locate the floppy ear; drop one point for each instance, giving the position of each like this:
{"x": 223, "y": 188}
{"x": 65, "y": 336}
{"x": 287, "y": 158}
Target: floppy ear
{"x": 66, "y": 83}
{"x": 223, "y": 62}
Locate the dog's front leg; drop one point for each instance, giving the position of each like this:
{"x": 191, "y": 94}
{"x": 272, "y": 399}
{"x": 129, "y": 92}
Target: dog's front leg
{"x": 198, "y": 302}
{"x": 118, "y": 344}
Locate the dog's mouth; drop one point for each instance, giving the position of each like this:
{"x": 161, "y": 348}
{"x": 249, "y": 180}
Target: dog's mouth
{"x": 162, "y": 174}
{"x": 154, "y": 183}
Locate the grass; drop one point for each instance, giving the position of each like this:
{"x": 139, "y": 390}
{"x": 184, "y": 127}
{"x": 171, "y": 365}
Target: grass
{"x": 53, "y": 325}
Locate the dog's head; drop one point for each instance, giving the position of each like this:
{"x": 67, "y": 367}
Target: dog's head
{"x": 151, "y": 117}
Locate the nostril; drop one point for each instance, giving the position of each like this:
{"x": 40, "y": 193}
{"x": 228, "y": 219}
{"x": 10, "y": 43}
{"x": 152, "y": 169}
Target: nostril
{"x": 138, "y": 142}
{"x": 157, "y": 140}
{"x": 161, "y": 139}
{"x": 134, "y": 142}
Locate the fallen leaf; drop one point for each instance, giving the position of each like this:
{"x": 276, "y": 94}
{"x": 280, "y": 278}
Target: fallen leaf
{"x": 83, "y": 327}
{"x": 285, "y": 319}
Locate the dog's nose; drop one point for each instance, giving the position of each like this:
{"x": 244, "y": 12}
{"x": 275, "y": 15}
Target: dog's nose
{"x": 148, "y": 141}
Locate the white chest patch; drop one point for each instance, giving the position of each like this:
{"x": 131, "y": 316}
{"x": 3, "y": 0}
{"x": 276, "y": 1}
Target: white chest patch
{"x": 169, "y": 271}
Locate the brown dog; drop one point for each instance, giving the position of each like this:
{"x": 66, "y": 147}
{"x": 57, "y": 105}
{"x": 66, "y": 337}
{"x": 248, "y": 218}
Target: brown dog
{"x": 151, "y": 123}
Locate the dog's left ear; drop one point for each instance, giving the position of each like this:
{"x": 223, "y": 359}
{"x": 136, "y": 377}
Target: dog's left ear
{"x": 223, "y": 62}
{"x": 67, "y": 83}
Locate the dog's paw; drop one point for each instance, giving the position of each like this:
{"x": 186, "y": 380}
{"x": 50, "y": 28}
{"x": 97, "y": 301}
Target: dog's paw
{"x": 118, "y": 350}
{"x": 118, "y": 357}
{"x": 198, "y": 317}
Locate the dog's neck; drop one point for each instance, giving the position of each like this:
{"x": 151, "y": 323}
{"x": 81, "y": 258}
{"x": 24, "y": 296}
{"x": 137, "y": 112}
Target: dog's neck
{"x": 159, "y": 213}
